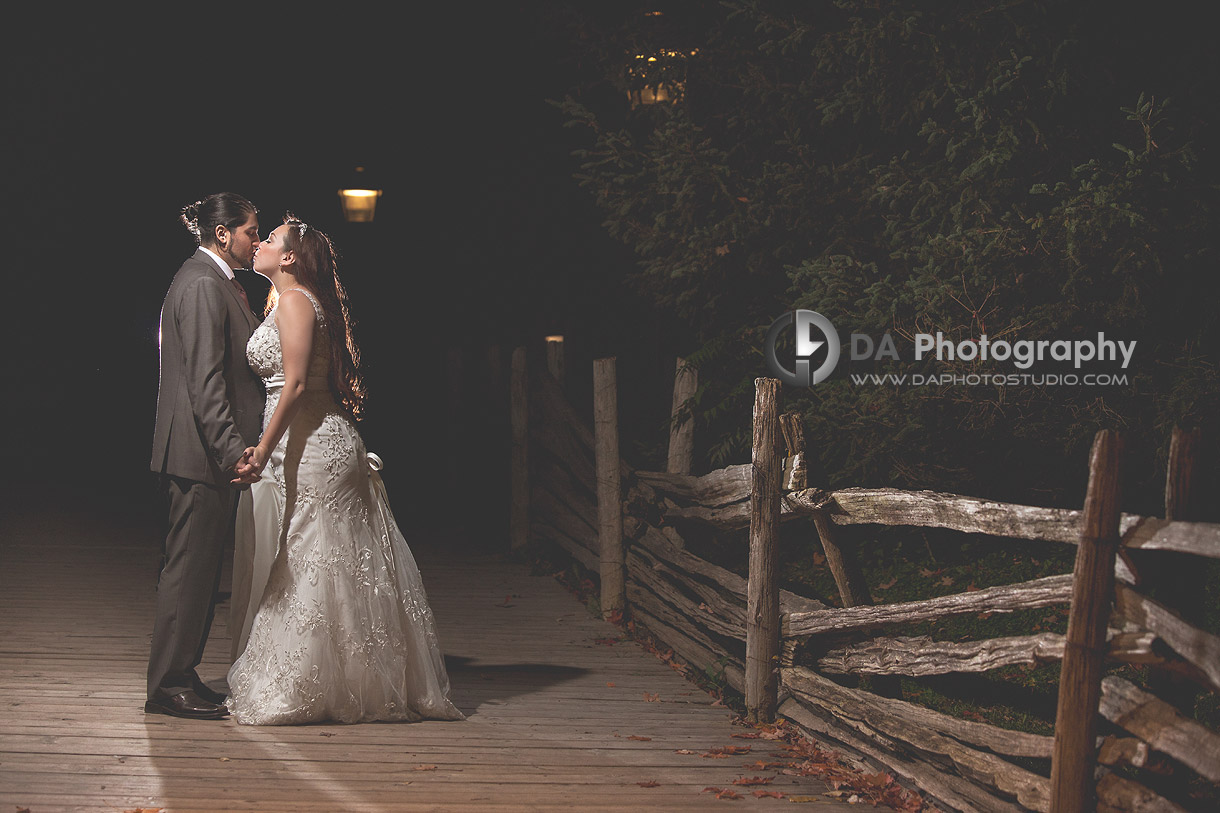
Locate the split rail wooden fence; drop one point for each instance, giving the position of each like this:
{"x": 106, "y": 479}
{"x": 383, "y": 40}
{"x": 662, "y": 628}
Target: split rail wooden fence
{"x": 571, "y": 488}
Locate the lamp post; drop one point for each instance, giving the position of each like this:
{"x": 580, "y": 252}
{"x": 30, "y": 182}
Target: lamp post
{"x": 359, "y": 199}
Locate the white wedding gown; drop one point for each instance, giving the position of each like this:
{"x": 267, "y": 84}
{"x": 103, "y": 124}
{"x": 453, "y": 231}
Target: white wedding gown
{"x": 342, "y": 630}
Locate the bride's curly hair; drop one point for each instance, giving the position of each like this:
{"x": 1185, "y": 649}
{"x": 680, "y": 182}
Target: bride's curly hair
{"x": 315, "y": 268}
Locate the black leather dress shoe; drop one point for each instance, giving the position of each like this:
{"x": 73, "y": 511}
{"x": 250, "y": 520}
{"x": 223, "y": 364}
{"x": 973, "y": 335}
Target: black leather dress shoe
{"x": 185, "y": 704}
{"x": 210, "y": 695}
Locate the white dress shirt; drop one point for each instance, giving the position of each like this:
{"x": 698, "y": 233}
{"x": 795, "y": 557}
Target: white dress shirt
{"x": 224, "y": 266}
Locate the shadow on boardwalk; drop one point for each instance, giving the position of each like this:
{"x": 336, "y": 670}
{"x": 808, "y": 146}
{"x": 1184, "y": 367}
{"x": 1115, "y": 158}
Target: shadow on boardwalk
{"x": 556, "y": 718}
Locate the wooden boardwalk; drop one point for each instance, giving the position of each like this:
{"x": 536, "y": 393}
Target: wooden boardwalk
{"x": 556, "y": 720}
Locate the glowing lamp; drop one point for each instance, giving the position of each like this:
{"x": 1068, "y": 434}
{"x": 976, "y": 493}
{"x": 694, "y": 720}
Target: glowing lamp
{"x": 359, "y": 202}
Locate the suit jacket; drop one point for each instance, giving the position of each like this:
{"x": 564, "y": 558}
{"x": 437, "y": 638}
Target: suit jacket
{"x": 209, "y": 401}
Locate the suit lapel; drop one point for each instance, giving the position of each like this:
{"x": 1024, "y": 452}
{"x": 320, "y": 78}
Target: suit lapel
{"x": 251, "y": 319}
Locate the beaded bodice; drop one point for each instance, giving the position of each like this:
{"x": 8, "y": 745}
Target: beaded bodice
{"x": 266, "y": 356}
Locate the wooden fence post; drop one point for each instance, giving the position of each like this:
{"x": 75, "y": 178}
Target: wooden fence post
{"x": 795, "y": 476}
{"x": 494, "y": 437}
{"x": 554, "y": 357}
{"x": 762, "y": 590}
{"x": 609, "y": 488}
{"x": 1188, "y": 581}
{"x": 1074, "y": 755}
{"x": 681, "y": 435}
{"x": 519, "y": 486}
{"x": 1180, "y": 474}
{"x": 853, "y": 590}
{"x": 456, "y": 452}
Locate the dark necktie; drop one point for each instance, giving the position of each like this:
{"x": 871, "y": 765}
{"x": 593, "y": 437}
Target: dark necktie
{"x": 241, "y": 292}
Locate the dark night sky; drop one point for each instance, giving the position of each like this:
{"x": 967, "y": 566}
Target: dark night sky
{"x": 114, "y": 124}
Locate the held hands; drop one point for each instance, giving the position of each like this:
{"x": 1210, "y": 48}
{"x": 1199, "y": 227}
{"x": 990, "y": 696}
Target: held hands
{"x": 249, "y": 465}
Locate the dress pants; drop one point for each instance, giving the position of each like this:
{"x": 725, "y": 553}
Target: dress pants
{"x": 201, "y": 519}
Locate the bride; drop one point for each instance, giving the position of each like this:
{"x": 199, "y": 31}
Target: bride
{"x": 342, "y": 630}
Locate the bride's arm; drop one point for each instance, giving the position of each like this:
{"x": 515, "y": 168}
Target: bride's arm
{"x": 295, "y": 319}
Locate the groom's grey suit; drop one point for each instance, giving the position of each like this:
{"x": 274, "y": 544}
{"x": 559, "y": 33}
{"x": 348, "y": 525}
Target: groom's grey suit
{"x": 209, "y": 409}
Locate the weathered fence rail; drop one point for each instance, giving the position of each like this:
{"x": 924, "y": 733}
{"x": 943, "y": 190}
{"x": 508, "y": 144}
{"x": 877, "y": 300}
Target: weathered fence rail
{"x": 707, "y": 614}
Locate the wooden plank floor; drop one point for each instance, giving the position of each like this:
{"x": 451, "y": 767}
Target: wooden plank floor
{"x": 551, "y": 712}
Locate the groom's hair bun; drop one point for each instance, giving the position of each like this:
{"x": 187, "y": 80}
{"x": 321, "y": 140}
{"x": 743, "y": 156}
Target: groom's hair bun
{"x": 190, "y": 218}
{"x": 226, "y": 209}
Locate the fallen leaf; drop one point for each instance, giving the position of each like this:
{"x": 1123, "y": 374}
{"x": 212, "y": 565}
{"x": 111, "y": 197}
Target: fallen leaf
{"x": 611, "y": 685}
{"x": 888, "y": 585}
{"x": 754, "y": 780}
{"x": 970, "y": 588}
{"x": 723, "y": 793}
{"x": 224, "y": 759}
{"x": 768, "y": 794}
{"x": 923, "y": 571}
{"x": 652, "y": 698}
{"x": 641, "y": 739}
{"x": 945, "y": 580}
{"x": 817, "y": 558}
{"x": 607, "y": 641}
{"x": 684, "y": 751}
{"x": 748, "y": 735}
{"x": 425, "y": 767}
{"x": 328, "y": 734}
{"x": 722, "y": 250}
{"x": 649, "y": 784}
{"x": 762, "y": 765}
{"x": 721, "y": 751}
{"x": 803, "y": 799}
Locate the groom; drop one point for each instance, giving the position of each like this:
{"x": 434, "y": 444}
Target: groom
{"x": 209, "y": 410}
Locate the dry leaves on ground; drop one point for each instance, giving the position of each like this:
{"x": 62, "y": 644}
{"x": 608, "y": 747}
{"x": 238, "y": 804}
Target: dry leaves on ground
{"x": 725, "y": 751}
{"x": 754, "y": 780}
{"x": 723, "y": 793}
{"x": 807, "y": 759}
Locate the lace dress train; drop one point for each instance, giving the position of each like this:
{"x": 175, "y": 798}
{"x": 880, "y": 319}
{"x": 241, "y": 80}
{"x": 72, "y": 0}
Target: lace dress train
{"x": 343, "y": 630}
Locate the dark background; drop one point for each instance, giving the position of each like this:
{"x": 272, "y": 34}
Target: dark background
{"x": 482, "y": 237}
